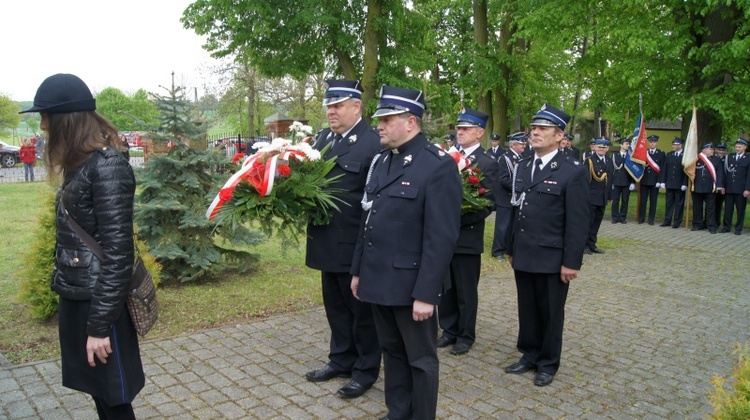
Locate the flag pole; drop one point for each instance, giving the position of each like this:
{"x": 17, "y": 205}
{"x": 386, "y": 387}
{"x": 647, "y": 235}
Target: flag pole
{"x": 638, "y": 184}
{"x": 687, "y": 201}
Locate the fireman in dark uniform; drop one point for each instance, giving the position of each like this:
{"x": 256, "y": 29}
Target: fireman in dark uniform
{"x": 650, "y": 180}
{"x": 709, "y": 180}
{"x": 407, "y": 237}
{"x": 546, "y": 252}
{"x": 600, "y": 182}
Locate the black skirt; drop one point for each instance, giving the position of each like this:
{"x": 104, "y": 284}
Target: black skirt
{"x": 116, "y": 382}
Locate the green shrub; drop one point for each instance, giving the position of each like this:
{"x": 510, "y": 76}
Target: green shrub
{"x": 733, "y": 403}
{"x": 175, "y": 190}
{"x": 40, "y": 259}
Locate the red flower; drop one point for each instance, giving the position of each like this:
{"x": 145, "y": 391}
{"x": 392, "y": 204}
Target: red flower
{"x": 225, "y": 194}
{"x": 283, "y": 170}
{"x": 473, "y": 180}
{"x": 238, "y": 157}
{"x": 481, "y": 190}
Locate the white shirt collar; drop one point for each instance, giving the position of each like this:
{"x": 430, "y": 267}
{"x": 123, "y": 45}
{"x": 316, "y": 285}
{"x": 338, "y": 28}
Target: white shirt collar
{"x": 546, "y": 158}
{"x": 469, "y": 150}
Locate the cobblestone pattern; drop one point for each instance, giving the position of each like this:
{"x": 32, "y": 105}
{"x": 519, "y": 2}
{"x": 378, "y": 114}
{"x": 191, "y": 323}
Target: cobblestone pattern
{"x": 638, "y": 344}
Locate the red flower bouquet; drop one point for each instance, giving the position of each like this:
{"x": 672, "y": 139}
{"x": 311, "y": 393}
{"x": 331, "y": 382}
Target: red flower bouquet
{"x": 471, "y": 179}
{"x": 280, "y": 188}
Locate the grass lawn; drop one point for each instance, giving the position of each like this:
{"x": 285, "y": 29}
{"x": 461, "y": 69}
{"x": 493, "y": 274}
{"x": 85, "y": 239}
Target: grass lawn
{"x": 278, "y": 283}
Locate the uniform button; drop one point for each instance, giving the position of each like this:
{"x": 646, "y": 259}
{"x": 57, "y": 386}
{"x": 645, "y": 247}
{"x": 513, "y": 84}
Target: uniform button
{"x": 522, "y": 230}
{"x": 377, "y": 196}
{"x": 75, "y": 260}
{"x": 414, "y": 264}
{"x": 526, "y": 203}
{"x": 374, "y": 211}
{"x": 369, "y": 228}
{"x": 369, "y": 244}
{"x": 402, "y": 193}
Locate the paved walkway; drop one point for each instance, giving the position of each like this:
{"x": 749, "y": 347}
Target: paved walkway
{"x": 639, "y": 343}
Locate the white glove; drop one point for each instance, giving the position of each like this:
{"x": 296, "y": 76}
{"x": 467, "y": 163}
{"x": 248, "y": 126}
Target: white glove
{"x": 683, "y": 188}
{"x": 658, "y": 185}
{"x": 632, "y": 187}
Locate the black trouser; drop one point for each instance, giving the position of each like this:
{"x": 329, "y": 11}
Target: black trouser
{"x": 719, "y": 208}
{"x": 541, "y": 316}
{"x": 675, "y": 207}
{"x": 457, "y": 311}
{"x": 354, "y": 340}
{"x": 651, "y": 194}
{"x": 704, "y": 219}
{"x": 735, "y": 201}
{"x": 116, "y": 412}
{"x": 620, "y": 199}
{"x": 410, "y": 362}
{"x": 597, "y": 214}
{"x": 503, "y": 222}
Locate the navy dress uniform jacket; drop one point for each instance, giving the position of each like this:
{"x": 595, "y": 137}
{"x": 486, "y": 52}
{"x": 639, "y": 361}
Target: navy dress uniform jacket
{"x": 651, "y": 177}
{"x": 556, "y": 206}
{"x": 738, "y": 173}
{"x": 673, "y": 173}
{"x": 408, "y": 237}
{"x": 599, "y": 190}
{"x": 704, "y": 181}
{"x": 496, "y": 154}
{"x": 620, "y": 177}
{"x": 330, "y": 247}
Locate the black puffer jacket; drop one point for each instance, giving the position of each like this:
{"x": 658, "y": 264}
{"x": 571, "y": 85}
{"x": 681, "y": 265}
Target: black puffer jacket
{"x": 99, "y": 196}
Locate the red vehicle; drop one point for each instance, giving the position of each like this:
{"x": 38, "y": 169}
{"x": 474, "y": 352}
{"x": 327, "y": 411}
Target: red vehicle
{"x": 133, "y": 138}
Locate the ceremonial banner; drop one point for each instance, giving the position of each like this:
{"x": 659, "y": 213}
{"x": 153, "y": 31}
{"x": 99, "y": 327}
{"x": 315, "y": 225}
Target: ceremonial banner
{"x": 690, "y": 154}
{"x": 637, "y": 152}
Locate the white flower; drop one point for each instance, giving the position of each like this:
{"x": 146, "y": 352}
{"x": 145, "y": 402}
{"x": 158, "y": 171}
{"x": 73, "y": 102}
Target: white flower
{"x": 306, "y": 129}
{"x": 295, "y": 126}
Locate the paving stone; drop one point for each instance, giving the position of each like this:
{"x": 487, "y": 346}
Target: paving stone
{"x": 637, "y": 345}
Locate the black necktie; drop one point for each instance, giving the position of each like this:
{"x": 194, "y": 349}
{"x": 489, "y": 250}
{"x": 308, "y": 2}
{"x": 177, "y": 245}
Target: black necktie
{"x": 335, "y": 141}
{"x": 537, "y": 168}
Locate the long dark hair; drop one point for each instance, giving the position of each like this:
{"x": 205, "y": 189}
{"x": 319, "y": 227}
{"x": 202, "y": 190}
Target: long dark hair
{"x": 73, "y": 136}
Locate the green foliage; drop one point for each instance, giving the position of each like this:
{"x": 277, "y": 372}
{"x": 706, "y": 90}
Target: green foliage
{"x": 301, "y": 195}
{"x": 177, "y": 118}
{"x": 170, "y": 212}
{"x": 40, "y": 259}
{"x": 734, "y": 403}
{"x": 136, "y": 113}
{"x": 9, "y": 116}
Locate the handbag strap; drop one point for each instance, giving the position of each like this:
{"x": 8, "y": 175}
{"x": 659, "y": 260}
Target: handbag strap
{"x": 82, "y": 234}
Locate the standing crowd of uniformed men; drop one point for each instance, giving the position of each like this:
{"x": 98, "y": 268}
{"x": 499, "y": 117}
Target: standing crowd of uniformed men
{"x": 400, "y": 263}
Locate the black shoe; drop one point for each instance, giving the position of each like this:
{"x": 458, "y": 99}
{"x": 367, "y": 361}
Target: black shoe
{"x": 651, "y": 223}
{"x": 596, "y": 250}
{"x": 665, "y": 224}
{"x": 518, "y": 368}
{"x": 695, "y": 229}
{"x": 543, "y": 379}
{"x": 724, "y": 230}
{"x": 352, "y": 390}
{"x": 738, "y": 232}
{"x": 587, "y": 251}
{"x": 445, "y": 341}
{"x": 675, "y": 226}
{"x": 615, "y": 221}
{"x": 325, "y": 373}
{"x": 712, "y": 231}
{"x": 623, "y": 221}
{"x": 460, "y": 348}
{"x": 500, "y": 257}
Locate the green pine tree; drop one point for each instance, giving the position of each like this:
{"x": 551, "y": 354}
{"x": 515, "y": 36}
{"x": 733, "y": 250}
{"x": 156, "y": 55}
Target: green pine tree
{"x": 175, "y": 190}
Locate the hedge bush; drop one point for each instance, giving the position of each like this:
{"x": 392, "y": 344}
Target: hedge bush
{"x": 733, "y": 402}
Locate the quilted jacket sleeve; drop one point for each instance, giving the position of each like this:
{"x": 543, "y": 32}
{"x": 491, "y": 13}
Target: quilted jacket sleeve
{"x": 113, "y": 190}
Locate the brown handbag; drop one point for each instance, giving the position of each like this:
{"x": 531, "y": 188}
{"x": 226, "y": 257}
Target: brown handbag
{"x": 141, "y": 302}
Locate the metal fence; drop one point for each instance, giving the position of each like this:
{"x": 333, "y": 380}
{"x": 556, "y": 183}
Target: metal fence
{"x": 16, "y": 173}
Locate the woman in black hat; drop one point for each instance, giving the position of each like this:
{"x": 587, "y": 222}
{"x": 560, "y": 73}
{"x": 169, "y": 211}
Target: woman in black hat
{"x": 98, "y": 343}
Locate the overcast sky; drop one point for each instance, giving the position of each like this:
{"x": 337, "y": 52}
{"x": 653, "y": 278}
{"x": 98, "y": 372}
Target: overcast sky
{"x": 126, "y": 44}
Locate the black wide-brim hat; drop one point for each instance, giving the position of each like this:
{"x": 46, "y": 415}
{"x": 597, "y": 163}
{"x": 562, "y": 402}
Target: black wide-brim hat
{"x": 62, "y": 93}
